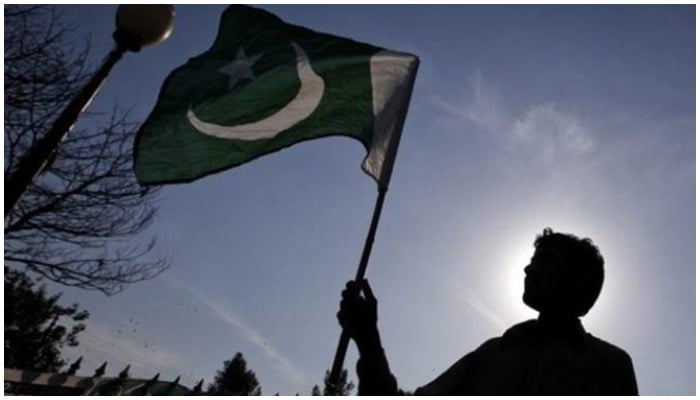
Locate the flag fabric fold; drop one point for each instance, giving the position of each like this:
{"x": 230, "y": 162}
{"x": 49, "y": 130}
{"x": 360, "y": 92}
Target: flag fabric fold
{"x": 265, "y": 85}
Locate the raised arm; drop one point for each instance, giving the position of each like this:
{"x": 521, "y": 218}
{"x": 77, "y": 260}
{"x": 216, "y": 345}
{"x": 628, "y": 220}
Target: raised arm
{"x": 358, "y": 316}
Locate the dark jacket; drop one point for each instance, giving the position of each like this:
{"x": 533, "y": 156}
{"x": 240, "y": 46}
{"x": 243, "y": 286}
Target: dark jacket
{"x": 531, "y": 358}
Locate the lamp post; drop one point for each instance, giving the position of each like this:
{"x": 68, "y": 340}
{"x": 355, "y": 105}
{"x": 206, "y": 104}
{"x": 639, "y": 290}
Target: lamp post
{"x": 137, "y": 26}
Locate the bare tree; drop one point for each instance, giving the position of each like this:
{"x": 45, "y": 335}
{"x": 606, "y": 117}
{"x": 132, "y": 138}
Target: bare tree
{"x": 75, "y": 223}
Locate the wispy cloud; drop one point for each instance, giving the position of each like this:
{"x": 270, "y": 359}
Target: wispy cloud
{"x": 546, "y": 129}
{"x": 550, "y": 128}
{"x": 227, "y": 314}
{"x": 476, "y": 304}
{"x": 479, "y": 105}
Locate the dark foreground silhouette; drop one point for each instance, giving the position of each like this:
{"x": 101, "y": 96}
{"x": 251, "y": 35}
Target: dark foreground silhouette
{"x": 552, "y": 355}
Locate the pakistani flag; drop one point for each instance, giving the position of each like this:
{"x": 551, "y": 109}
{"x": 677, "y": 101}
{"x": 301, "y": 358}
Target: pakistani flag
{"x": 265, "y": 85}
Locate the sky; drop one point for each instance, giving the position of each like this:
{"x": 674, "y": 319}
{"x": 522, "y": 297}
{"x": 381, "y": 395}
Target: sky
{"x": 578, "y": 118}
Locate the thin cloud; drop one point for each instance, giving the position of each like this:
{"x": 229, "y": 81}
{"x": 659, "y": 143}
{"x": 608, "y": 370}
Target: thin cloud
{"x": 551, "y": 129}
{"x": 475, "y": 302}
{"x": 226, "y": 314}
{"x": 544, "y": 129}
{"x": 480, "y": 106}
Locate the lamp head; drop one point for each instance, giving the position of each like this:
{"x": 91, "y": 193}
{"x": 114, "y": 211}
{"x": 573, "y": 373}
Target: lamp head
{"x": 140, "y": 25}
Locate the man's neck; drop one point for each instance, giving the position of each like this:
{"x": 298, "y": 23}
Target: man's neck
{"x": 556, "y": 318}
{"x": 563, "y": 326}
{"x": 558, "y": 321}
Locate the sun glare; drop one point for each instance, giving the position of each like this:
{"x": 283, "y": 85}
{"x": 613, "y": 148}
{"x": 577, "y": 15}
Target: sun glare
{"x": 512, "y": 266}
{"x": 502, "y": 282}
{"x": 514, "y": 277}
{"x": 518, "y": 249}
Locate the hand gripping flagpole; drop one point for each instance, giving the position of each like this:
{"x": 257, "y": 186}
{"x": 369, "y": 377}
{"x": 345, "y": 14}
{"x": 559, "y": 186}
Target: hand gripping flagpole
{"x": 383, "y": 185}
{"x": 137, "y": 26}
{"x": 344, "y": 341}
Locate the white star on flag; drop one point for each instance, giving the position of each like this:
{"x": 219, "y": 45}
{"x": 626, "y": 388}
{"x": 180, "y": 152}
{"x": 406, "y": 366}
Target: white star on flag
{"x": 240, "y": 68}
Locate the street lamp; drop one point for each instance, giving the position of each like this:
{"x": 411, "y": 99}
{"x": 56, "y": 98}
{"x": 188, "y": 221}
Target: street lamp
{"x": 140, "y": 25}
{"x": 137, "y": 26}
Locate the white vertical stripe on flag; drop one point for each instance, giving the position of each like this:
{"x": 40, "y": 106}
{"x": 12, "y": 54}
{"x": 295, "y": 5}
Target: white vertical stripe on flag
{"x": 392, "y": 74}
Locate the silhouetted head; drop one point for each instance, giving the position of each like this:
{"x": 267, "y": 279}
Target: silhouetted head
{"x": 565, "y": 275}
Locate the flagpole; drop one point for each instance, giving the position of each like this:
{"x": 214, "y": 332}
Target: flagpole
{"x": 344, "y": 340}
{"x": 382, "y": 187}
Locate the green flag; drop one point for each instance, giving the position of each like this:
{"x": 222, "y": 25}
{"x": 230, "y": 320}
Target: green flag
{"x": 265, "y": 85}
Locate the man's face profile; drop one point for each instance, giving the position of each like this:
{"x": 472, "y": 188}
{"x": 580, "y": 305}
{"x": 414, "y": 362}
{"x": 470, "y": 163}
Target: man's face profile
{"x": 544, "y": 282}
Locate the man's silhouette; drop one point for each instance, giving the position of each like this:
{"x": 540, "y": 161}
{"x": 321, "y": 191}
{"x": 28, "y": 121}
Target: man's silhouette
{"x": 551, "y": 355}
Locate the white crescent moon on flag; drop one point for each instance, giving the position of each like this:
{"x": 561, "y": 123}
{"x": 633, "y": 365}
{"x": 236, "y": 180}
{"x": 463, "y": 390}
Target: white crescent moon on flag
{"x": 297, "y": 110}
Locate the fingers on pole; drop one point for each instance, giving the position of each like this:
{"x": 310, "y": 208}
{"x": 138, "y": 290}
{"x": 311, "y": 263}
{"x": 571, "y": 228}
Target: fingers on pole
{"x": 348, "y": 295}
{"x": 352, "y": 290}
{"x": 367, "y": 290}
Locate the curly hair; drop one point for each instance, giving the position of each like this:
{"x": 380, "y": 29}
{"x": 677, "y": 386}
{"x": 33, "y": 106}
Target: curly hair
{"x": 583, "y": 263}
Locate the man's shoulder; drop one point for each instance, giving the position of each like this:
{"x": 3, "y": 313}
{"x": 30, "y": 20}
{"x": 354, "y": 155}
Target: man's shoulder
{"x": 518, "y": 333}
{"x": 615, "y": 362}
{"x": 527, "y": 332}
{"x": 606, "y": 349}
{"x": 522, "y": 328}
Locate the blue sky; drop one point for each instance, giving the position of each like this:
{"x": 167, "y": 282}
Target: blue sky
{"x": 579, "y": 118}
